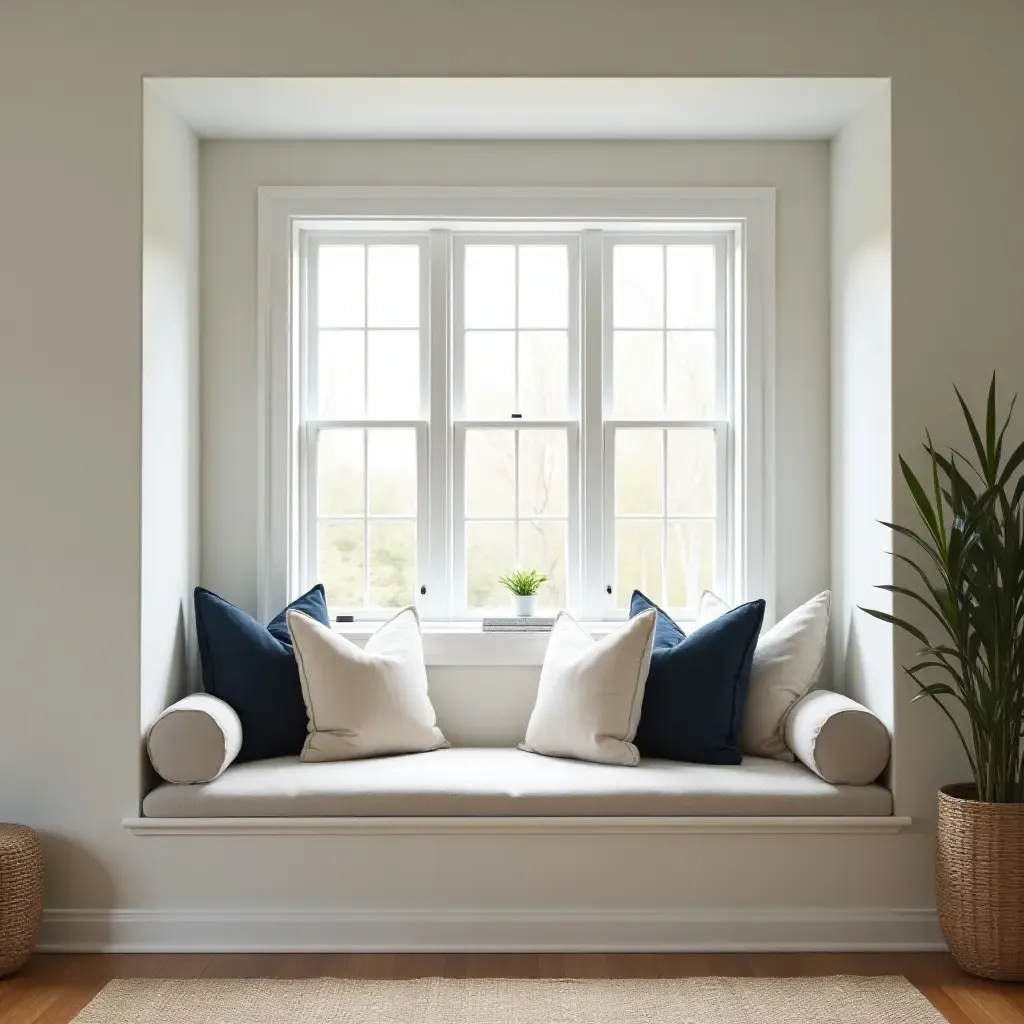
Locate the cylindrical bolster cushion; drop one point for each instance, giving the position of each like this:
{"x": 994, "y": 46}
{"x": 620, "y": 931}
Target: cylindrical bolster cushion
{"x": 837, "y": 738}
{"x": 195, "y": 739}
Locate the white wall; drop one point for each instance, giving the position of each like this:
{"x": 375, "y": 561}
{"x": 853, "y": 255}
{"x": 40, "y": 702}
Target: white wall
{"x": 71, "y": 440}
{"x": 862, "y": 460}
{"x": 231, "y": 172}
{"x": 170, "y": 406}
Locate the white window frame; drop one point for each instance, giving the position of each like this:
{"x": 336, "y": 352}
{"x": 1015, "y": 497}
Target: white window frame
{"x": 745, "y": 217}
{"x": 461, "y": 423}
{"x": 602, "y": 494}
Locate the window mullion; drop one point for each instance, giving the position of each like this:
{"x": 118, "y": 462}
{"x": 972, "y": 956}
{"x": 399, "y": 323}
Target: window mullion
{"x": 594, "y": 569}
{"x": 437, "y": 323}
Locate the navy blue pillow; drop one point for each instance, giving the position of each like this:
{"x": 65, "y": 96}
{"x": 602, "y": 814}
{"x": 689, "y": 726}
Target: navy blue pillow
{"x": 697, "y": 687}
{"x": 252, "y": 668}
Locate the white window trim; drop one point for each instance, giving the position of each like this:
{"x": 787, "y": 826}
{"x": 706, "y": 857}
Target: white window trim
{"x": 281, "y": 211}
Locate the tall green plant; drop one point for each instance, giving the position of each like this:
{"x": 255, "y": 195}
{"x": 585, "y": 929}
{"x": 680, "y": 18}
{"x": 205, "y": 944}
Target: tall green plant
{"x": 969, "y": 560}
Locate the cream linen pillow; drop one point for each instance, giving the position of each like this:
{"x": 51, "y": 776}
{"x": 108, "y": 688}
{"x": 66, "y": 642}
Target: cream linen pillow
{"x": 369, "y": 702}
{"x": 590, "y": 693}
{"x": 787, "y": 665}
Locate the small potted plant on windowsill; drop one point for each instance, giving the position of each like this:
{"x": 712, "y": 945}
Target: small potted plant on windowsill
{"x": 523, "y": 586}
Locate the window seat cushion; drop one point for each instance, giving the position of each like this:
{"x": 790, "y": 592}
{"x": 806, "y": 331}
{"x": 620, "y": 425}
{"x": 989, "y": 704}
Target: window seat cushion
{"x": 496, "y": 782}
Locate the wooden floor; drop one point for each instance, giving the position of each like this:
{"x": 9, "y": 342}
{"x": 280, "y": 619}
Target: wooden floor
{"x": 53, "y": 988}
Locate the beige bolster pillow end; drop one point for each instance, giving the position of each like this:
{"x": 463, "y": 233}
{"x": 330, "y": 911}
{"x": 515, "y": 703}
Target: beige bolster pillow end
{"x": 195, "y": 739}
{"x": 837, "y": 738}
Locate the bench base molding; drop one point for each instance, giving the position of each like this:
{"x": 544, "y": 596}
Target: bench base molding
{"x": 699, "y": 825}
{"x": 697, "y": 930}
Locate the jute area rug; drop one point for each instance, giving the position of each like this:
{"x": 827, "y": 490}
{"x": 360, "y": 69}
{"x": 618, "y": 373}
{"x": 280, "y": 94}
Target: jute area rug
{"x": 828, "y": 1000}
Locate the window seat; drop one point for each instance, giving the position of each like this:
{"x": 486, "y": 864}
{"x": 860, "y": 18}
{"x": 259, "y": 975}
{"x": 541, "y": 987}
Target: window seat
{"x": 497, "y": 781}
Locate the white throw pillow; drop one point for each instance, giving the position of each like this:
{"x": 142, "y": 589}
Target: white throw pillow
{"x": 364, "y": 702}
{"x": 591, "y": 691}
{"x": 787, "y": 665}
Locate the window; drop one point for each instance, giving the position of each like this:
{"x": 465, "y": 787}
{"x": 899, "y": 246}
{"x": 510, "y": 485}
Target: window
{"x": 450, "y": 398}
{"x": 365, "y": 431}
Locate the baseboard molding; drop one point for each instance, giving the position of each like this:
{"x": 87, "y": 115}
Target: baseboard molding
{"x": 697, "y": 930}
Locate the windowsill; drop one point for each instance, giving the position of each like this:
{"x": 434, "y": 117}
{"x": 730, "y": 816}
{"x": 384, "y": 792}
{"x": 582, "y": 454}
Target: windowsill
{"x": 466, "y": 643}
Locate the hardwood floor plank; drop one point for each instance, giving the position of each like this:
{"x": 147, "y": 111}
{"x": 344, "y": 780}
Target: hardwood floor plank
{"x": 239, "y": 965}
{"x": 418, "y": 965}
{"x": 983, "y": 1005}
{"x": 371, "y": 965}
{"x": 186, "y": 965}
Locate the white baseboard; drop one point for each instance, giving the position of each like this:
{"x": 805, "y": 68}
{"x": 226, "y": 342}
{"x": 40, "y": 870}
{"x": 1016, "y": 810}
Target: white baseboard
{"x": 697, "y": 930}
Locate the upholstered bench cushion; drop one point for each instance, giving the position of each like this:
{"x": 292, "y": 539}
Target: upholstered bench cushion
{"x": 497, "y": 782}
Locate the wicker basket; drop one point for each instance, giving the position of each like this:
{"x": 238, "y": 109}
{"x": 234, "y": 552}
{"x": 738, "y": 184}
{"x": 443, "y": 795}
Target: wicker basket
{"x": 979, "y": 883}
{"x": 21, "y": 895}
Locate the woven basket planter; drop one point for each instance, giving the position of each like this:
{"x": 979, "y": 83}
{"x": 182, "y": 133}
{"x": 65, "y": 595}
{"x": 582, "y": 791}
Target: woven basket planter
{"x": 979, "y": 883}
{"x": 21, "y": 895}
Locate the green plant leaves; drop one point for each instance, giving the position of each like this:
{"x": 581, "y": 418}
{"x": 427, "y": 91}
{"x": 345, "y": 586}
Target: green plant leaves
{"x": 523, "y": 582}
{"x": 972, "y": 586}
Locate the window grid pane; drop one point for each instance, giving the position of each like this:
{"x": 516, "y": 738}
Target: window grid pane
{"x": 368, "y": 323}
{"x": 366, "y": 516}
{"x": 515, "y": 329}
{"x": 664, "y": 506}
{"x": 663, "y": 320}
{"x": 515, "y": 508}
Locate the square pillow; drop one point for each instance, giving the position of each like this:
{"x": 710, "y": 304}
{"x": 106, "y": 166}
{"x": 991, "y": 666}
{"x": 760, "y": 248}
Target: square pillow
{"x": 787, "y": 665}
{"x": 590, "y": 692}
{"x": 364, "y": 702}
{"x": 697, "y": 687}
{"x": 252, "y": 668}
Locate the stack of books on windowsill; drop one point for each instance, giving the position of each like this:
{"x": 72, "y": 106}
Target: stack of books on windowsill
{"x": 518, "y": 624}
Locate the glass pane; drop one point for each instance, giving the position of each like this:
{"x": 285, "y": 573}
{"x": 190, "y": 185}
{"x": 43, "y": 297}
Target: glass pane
{"x": 394, "y": 374}
{"x": 490, "y": 379}
{"x": 490, "y": 284}
{"x": 339, "y": 562}
{"x": 490, "y": 473}
{"x": 637, "y": 559}
{"x": 340, "y": 357}
{"x": 339, "y": 476}
{"x": 691, "y": 472}
{"x": 691, "y": 561}
{"x": 341, "y": 286}
{"x": 542, "y": 546}
{"x": 638, "y": 286}
{"x": 392, "y": 564}
{"x": 691, "y": 286}
{"x": 543, "y": 473}
{"x": 391, "y": 463}
{"x": 544, "y": 374}
{"x": 393, "y": 288}
{"x": 638, "y": 471}
{"x": 490, "y": 553}
{"x": 637, "y": 374}
{"x": 691, "y": 375}
{"x": 543, "y": 286}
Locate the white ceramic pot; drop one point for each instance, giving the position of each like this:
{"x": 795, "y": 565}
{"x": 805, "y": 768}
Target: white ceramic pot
{"x": 524, "y": 605}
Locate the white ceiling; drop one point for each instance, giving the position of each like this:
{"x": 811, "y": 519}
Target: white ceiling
{"x": 516, "y": 108}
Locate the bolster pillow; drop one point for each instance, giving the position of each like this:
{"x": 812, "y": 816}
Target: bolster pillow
{"x": 195, "y": 739}
{"x": 837, "y": 738}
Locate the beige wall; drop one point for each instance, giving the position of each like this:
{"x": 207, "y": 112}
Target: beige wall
{"x": 231, "y": 172}
{"x": 70, "y": 403}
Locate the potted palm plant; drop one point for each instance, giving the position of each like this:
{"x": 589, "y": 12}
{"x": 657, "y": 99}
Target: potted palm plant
{"x": 523, "y": 585}
{"x": 968, "y": 563}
